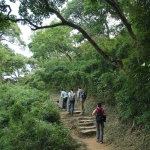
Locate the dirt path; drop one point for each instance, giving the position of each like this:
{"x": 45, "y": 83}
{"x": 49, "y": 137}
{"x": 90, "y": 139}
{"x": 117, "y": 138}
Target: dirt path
{"x": 89, "y": 141}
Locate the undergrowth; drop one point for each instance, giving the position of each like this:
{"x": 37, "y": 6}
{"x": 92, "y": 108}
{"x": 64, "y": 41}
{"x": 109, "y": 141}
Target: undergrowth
{"x": 121, "y": 135}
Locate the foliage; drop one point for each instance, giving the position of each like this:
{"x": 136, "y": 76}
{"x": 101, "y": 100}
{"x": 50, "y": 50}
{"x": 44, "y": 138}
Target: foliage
{"x": 12, "y": 34}
{"x": 91, "y": 72}
{"x": 50, "y": 43}
{"x": 102, "y": 25}
{"x": 36, "y": 135}
{"x": 29, "y": 120}
{"x": 17, "y": 100}
{"x": 11, "y": 64}
{"x": 3, "y": 24}
{"x": 134, "y": 101}
{"x": 35, "y": 17}
{"x": 48, "y": 112}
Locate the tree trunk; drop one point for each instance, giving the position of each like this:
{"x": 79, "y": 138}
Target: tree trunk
{"x": 115, "y": 62}
{"x": 118, "y": 10}
{"x": 67, "y": 55}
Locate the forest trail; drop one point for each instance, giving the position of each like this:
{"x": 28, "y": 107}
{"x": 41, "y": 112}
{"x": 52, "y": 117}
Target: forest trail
{"x": 83, "y": 130}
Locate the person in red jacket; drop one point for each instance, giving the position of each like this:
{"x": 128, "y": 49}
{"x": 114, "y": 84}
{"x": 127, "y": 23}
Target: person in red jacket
{"x": 99, "y": 125}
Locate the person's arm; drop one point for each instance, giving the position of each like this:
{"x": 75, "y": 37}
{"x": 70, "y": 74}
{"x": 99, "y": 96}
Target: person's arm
{"x": 104, "y": 113}
{"x": 61, "y": 95}
{"x": 74, "y": 95}
{"x": 78, "y": 95}
{"x": 94, "y": 112}
{"x": 65, "y": 94}
{"x": 69, "y": 95}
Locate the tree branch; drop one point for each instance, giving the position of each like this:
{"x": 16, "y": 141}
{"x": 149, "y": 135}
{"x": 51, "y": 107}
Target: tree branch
{"x": 118, "y": 63}
{"x": 48, "y": 26}
{"x": 4, "y": 9}
{"x": 50, "y": 9}
{"x": 122, "y": 17}
{"x": 63, "y": 51}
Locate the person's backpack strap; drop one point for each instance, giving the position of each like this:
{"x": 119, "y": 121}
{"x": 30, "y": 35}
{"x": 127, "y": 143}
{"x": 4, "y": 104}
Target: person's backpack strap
{"x": 98, "y": 109}
{"x": 72, "y": 97}
{"x": 103, "y": 117}
{"x": 83, "y": 95}
{"x": 99, "y": 116}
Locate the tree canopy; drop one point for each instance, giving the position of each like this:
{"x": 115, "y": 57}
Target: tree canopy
{"x": 33, "y": 14}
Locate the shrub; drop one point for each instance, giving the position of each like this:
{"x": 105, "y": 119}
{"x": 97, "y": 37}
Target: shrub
{"x": 36, "y": 135}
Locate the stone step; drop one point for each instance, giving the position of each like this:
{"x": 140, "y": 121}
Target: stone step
{"x": 89, "y": 127}
{"x": 65, "y": 120}
{"x": 82, "y": 121}
{"x": 83, "y": 118}
{"x": 86, "y": 124}
{"x": 77, "y": 112}
{"x": 87, "y": 132}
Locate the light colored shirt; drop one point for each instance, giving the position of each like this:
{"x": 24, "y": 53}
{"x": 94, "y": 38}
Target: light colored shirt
{"x": 63, "y": 94}
{"x": 79, "y": 94}
{"x": 71, "y": 94}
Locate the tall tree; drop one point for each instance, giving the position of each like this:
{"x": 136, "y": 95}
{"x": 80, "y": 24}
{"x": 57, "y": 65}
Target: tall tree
{"x": 50, "y": 43}
{"x": 11, "y": 34}
{"x": 33, "y": 12}
{"x": 12, "y": 64}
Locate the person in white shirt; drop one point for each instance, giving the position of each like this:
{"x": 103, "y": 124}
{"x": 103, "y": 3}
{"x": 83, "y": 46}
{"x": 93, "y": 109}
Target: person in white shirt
{"x": 71, "y": 101}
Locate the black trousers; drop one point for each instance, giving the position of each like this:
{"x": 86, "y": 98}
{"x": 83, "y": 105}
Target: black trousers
{"x": 64, "y": 104}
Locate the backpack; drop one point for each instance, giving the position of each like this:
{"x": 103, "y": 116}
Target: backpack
{"x": 83, "y": 95}
{"x": 72, "y": 97}
{"x": 99, "y": 116}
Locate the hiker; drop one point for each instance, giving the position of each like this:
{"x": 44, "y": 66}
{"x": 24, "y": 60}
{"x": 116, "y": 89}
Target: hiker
{"x": 81, "y": 97}
{"x": 100, "y": 119}
{"x": 58, "y": 104}
{"x": 71, "y": 101}
{"x": 64, "y": 97}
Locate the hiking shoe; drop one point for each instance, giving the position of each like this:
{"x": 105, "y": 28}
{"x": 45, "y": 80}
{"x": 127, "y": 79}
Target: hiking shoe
{"x": 101, "y": 142}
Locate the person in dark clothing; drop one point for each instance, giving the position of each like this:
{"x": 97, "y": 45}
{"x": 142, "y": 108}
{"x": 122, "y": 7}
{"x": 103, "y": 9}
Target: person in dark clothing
{"x": 99, "y": 126}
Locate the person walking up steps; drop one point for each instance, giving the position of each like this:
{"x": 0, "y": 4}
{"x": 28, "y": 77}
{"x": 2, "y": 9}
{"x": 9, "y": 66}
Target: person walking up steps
{"x": 100, "y": 119}
{"x": 64, "y": 97}
{"x": 81, "y": 97}
{"x": 71, "y": 101}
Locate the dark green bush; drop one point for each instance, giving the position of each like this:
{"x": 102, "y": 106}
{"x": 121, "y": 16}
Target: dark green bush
{"x": 49, "y": 112}
{"x": 32, "y": 121}
{"x": 36, "y": 135}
